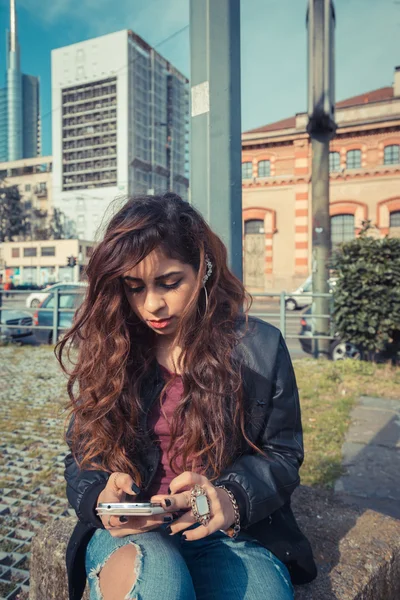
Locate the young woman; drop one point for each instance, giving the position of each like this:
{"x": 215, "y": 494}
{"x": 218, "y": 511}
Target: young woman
{"x": 178, "y": 397}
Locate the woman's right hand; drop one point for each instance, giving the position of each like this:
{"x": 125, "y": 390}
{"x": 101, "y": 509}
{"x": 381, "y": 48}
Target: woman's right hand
{"x": 119, "y": 485}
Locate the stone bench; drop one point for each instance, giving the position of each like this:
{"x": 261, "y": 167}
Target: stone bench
{"x": 357, "y": 552}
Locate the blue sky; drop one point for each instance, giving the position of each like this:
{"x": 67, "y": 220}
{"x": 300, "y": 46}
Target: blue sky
{"x": 273, "y": 47}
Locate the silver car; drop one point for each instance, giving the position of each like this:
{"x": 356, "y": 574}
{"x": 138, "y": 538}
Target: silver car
{"x": 16, "y": 324}
{"x": 37, "y": 297}
{"x": 302, "y": 297}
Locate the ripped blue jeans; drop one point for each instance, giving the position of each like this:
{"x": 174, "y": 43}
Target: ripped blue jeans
{"x": 214, "y": 568}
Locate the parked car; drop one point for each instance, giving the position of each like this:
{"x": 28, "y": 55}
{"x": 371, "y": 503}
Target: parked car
{"x": 70, "y": 298}
{"x": 293, "y": 302}
{"x": 18, "y": 318}
{"x": 338, "y": 350}
{"x": 36, "y": 298}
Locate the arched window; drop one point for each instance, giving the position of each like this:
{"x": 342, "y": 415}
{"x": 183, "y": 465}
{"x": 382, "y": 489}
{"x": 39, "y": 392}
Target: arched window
{"x": 247, "y": 170}
{"x": 254, "y": 226}
{"x": 264, "y": 168}
{"x": 395, "y": 219}
{"x": 334, "y": 162}
{"x": 254, "y": 253}
{"x": 353, "y": 159}
{"x": 394, "y": 224}
{"x": 392, "y": 155}
{"x": 342, "y": 229}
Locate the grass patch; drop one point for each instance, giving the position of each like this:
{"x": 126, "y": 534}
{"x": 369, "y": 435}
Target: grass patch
{"x": 328, "y": 392}
{"x": 34, "y": 392}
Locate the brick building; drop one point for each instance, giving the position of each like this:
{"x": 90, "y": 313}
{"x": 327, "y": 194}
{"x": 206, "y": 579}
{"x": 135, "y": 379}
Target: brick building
{"x": 276, "y": 171}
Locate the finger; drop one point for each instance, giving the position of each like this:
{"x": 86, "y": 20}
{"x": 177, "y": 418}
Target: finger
{"x": 134, "y": 522}
{"x": 187, "y": 520}
{"x": 175, "y": 502}
{"x": 204, "y": 530}
{"x": 122, "y": 482}
{"x": 187, "y": 480}
{"x": 137, "y": 523}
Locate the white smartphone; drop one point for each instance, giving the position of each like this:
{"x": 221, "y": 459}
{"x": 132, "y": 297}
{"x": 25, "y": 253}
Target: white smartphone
{"x": 141, "y": 509}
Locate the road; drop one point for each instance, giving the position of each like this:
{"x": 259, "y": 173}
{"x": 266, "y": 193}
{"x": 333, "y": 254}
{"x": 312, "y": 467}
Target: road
{"x": 260, "y": 307}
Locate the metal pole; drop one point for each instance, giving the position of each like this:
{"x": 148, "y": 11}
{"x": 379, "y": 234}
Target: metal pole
{"x": 321, "y": 239}
{"x": 216, "y": 186}
{"x": 152, "y": 126}
{"x": 55, "y": 315}
{"x": 282, "y": 311}
{"x": 322, "y": 127}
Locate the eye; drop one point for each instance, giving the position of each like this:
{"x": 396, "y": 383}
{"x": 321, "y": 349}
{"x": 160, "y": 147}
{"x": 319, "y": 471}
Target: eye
{"x": 171, "y": 286}
{"x": 135, "y": 290}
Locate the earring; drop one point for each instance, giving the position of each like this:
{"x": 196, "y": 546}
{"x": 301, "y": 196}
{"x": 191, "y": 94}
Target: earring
{"x": 206, "y": 278}
{"x": 209, "y": 270}
{"x": 205, "y": 291}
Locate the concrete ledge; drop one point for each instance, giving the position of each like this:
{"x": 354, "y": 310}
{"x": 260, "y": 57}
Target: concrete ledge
{"x": 358, "y": 553}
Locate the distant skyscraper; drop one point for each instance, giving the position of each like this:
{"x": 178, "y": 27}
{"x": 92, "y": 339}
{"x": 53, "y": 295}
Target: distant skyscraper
{"x": 120, "y": 126}
{"x": 19, "y": 104}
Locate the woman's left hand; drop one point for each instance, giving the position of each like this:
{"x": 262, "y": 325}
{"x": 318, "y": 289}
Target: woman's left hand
{"x": 221, "y": 508}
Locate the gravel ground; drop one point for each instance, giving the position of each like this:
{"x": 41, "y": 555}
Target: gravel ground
{"x": 32, "y": 486}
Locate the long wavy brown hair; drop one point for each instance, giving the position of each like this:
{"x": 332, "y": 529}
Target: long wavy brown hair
{"x": 116, "y": 350}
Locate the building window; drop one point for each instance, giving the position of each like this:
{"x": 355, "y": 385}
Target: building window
{"x": 392, "y": 155}
{"x": 353, "y": 160}
{"x": 264, "y": 168}
{"x": 394, "y": 224}
{"x": 30, "y": 252}
{"x": 395, "y": 219}
{"x": 89, "y": 131}
{"x": 254, "y": 226}
{"x": 247, "y": 170}
{"x": 89, "y": 251}
{"x": 14, "y": 252}
{"x": 342, "y": 229}
{"x": 49, "y": 251}
{"x": 334, "y": 162}
{"x": 28, "y": 187}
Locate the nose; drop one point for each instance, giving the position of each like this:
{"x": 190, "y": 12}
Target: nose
{"x": 153, "y": 302}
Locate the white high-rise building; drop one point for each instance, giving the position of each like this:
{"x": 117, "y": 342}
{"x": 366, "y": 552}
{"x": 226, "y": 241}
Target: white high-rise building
{"x": 120, "y": 127}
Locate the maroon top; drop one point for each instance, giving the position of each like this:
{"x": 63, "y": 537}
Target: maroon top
{"x": 158, "y": 423}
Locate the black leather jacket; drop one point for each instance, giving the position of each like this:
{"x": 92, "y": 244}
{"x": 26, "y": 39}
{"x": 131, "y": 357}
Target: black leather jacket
{"x": 262, "y": 485}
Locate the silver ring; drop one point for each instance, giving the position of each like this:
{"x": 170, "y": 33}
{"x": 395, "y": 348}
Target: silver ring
{"x": 200, "y": 504}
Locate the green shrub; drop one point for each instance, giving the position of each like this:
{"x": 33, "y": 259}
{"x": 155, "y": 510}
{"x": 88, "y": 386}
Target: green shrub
{"x": 367, "y": 294}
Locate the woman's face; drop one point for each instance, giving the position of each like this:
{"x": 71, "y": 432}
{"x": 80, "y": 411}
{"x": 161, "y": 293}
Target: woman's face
{"x": 159, "y": 289}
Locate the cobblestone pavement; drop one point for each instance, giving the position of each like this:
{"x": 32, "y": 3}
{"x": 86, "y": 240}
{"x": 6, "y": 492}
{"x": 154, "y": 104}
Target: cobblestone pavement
{"x": 32, "y": 486}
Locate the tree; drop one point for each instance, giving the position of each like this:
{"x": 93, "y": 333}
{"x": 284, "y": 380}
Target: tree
{"x": 12, "y": 214}
{"x": 36, "y": 220}
{"x": 56, "y": 225}
{"x": 367, "y": 293}
{"x": 42, "y": 227}
{"x": 21, "y": 220}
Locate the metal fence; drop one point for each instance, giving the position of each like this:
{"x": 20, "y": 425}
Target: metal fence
{"x": 23, "y": 320}
{"x": 286, "y": 316}
{"x": 268, "y": 306}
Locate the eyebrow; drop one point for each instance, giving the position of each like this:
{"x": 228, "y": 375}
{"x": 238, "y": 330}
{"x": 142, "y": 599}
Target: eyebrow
{"x": 165, "y": 276}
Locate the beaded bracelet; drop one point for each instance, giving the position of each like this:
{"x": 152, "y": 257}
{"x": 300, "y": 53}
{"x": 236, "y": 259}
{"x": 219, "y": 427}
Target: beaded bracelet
{"x": 234, "y": 530}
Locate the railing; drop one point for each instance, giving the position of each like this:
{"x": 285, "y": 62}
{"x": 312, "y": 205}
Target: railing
{"x": 22, "y": 324}
{"x": 285, "y": 315}
{"x": 281, "y": 317}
